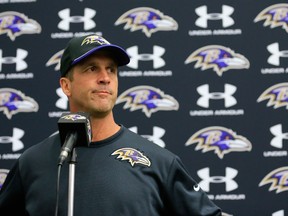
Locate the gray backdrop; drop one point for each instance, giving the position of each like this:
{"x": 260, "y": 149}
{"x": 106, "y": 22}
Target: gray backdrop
{"x": 209, "y": 79}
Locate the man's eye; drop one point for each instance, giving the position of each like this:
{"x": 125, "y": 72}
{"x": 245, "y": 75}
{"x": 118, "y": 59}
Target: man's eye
{"x": 111, "y": 69}
{"x": 93, "y": 68}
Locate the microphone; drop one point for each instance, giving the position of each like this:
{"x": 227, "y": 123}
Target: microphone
{"x": 74, "y": 130}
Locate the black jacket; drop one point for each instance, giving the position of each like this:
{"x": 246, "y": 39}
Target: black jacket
{"x": 123, "y": 175}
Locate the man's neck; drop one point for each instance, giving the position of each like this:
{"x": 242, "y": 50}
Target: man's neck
{"x": 103, "y": 128}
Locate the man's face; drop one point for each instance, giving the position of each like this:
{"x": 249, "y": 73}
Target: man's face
{"x": 94, "y": 85}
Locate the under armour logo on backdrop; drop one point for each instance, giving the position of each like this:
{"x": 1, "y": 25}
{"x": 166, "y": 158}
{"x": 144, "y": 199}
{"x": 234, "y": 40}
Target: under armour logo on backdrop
{"x": 62, "y": 102}
{"x": 279, "y": 213}
{"x": 15, "y": 139}
{"x": 202, "y": 21}
{"x": 274, "y": 59}
{"x": 67, "y": 19}
{"x": 228, "y": 179}
{"x": 279, "y": 136}
{"x": 135, "y": 57}
{"x": 18, "y": 60}
{"x": 206, "y": 96}
{"x": 158, "y": 133}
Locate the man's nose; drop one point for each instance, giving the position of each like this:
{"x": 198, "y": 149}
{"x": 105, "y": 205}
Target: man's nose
{"x": 104, "y": 77}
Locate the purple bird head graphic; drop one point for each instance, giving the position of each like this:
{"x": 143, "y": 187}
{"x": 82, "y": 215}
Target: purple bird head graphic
{"x": 274, "y": 16}
{"x": 219, "y": 58}
{"x": 133, "y": 156}
{"x": 277, "y": 95}
{"x": 148, "y": 99}
{"x": 3, "y": 175}
{"x": 73, "y": 117}
{"x": 148, "y": 20}
{"x": 13, "y": 101}
{"x": 55, "y": 60}
{"x": 220, "y": 140}
{"x": 15, "y": 24}
{"x": 278, "y": 179}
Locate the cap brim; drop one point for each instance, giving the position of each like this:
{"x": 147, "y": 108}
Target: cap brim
{"x": 119, "y": 54}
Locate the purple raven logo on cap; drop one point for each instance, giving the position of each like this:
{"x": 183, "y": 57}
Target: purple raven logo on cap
{"x": 277, "y": 95}
{"x": 275, "y": 16}
{"x": 148, "y": 20}
{"x": 13, "y": 101}
{"x": 220, "y": 140}
{"x": 278, "y": 179}
{"x": 94, "y": 39}
{"x": 219, "y": 58}
{"x": 147, "y": 98}
{"x": 15, "y": 24}
{"x": 132, "y": 156}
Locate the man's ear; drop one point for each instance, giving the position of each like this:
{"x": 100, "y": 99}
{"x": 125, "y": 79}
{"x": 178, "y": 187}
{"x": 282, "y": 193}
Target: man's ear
{"x": 65, "y": 84}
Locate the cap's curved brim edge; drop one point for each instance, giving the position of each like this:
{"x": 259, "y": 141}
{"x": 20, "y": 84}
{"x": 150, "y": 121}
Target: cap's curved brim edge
{"x": 120, "y": 54}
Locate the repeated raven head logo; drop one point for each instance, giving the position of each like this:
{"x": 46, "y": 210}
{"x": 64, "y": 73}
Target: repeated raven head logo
{"x": 55, "y": 60}
{"x": 3, "y": 175}
{"x": 13, "y": 101}
{"x": 148, "y": 20}
{"x": 277, "y": 95}
{"x": 278, "y": 179}
{"x": 15, "y": 24}
{"x": 275, "y": 16}
{"x": 147, "y": 98}
{"x": 133, "y": 156}
{"x": 220, "y": 140}
{"x": 217, "y": 57}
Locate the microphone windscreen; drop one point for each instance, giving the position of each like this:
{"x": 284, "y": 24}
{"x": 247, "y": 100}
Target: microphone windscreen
{"x": 75, "y": 123}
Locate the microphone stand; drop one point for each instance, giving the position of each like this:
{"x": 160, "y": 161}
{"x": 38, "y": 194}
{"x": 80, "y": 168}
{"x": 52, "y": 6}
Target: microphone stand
{"x": 71, "y": 183}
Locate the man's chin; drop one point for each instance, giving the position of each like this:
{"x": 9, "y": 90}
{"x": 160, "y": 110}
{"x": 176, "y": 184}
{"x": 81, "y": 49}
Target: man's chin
{"x": 100, "y": 113}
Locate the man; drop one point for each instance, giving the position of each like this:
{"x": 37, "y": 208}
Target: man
{"x": 120, "y": 173}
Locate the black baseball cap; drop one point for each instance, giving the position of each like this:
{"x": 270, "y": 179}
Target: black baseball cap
{"x": 79, "y": 48}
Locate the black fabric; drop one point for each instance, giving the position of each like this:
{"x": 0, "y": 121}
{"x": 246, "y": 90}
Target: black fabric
{"x": 105, "y": 184}
{"x": 79, "y": 48}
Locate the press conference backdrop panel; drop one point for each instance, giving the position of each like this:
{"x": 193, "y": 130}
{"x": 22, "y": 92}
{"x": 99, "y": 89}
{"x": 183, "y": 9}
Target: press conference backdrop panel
{"x": 209, "y": 80}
